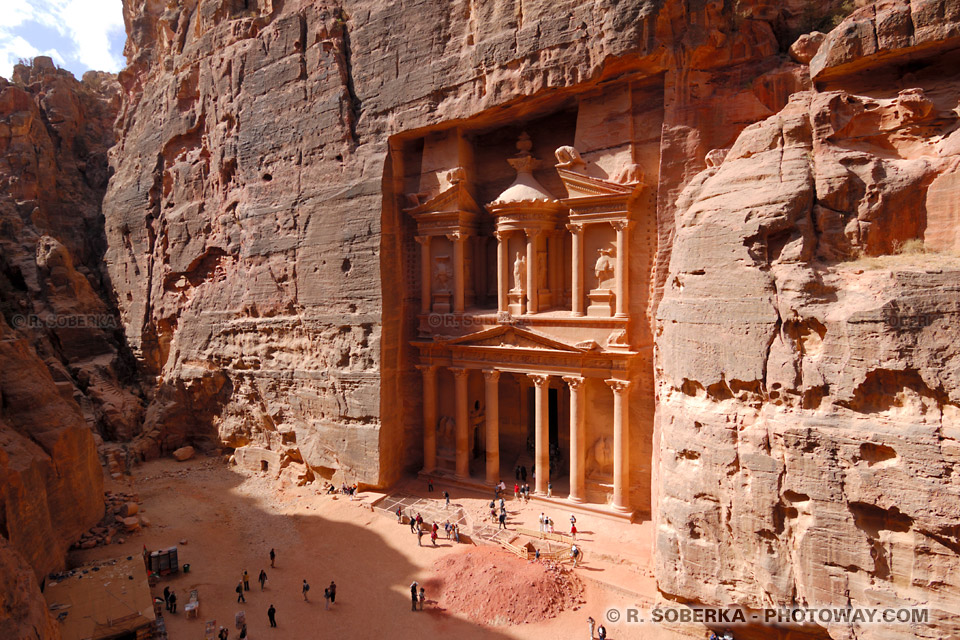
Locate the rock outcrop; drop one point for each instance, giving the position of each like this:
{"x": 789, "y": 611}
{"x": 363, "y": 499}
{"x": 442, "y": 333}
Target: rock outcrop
{"x": 807, "y": 367}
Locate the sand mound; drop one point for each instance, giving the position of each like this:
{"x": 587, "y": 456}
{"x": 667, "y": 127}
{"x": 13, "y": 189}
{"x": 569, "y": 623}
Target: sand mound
{"x": 491, "y": 586}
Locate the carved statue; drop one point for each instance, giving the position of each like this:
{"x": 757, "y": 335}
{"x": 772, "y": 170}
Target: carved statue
{"x": 442, "y": 273}
{"x": 520, "y": 273}
{"x": 567, "y": 156}
{"x": 604, "y": 268}
{"x": 446, "y": 429}
{"x": 600, "y": 456}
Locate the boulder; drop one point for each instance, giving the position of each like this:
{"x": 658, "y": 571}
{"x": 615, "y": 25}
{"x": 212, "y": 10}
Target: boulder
{"x": 184, "y": 453}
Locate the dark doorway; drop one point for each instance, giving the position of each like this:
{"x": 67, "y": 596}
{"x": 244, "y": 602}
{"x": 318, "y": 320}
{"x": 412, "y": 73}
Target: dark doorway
{"x": 554, "y": 417}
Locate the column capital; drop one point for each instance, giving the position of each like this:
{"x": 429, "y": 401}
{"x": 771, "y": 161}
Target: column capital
{"x": 539, "y": 379}
{"x": 621, "y": 225}
{"x": 575, "y": 382}
{"x": 426, "y": 368}
{"x": 460, "y": 372}
{"x": 491, "y": 375}
{"x": 501, "y": 235}
{"x": 532, "y": 233}
{"x": 423, "y": 241}
{"x": 618, "y": 386}
{"x": 576, "y": 228}
{"x": 456, "y": 236}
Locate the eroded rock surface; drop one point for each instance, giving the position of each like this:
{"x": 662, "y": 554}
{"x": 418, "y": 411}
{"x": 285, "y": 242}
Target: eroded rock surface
{"x": 807, "y": 368}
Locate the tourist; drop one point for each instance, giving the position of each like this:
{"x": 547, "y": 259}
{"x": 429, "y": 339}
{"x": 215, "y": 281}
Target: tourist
{"x": 523, "y": 473}
{"x": 433, "y": 537}
{"x": 573, "y": 519}
{"x": 456, "y": 532}
{"x": 333, "y": 592}
{"x": 246, "y": 580}
{"x": 434, "y": 527}
{"x": 543, "y": 521}
{"x": 419, "y": 521}
{"x": 536, "y": 556}
{"x": 592, "y": 623}
{"x": 173, "y": 602}
{"x": 413, "y": 595}
{"x": 429, "y": 485}
{"x": 262, "y": 578}
{"x": 243, "y": 631}
{"x": 602, "y": 632}
{"x": 573, "y": 531}
{"x": 413, "y": 524}
{"x": 272, "y": 615}
{"x": 516, "y": 491}
{"x": 422, "y": 597}
{"x": 550, "y": 522}
{"x": 446, "y": 528}
{"x": 273, "y": 557}
{"x": 305, "y": 589}
{"x": 575, "y": 554}
{"x": 399, "y": 514}
{"x": 326, "y": 598}
{"x": 419, "y": 537}
{"x": 224, "y": 634}
{"x": 549, "y": 489}
{"x": 503, "y": 520}
{"x": 446, "y": 496}
{"x": 166, "y": 598}
{"x": 239, "y": 590}
{"x": 502, "y": 503}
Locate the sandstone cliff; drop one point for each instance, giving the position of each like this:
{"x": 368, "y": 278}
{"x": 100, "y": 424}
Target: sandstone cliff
{"x": 807, "y": 367}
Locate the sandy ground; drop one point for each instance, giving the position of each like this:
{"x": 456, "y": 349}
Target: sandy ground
{"x": 231, "y": 519}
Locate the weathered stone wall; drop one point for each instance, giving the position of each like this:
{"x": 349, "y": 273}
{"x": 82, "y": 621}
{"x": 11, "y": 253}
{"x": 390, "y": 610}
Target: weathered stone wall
{"x": 807, "y": 377}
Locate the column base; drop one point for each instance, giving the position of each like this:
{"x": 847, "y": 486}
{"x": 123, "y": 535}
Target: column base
{"x": 576, "y": 499}
{"x": 621, "y": 315}
{"x": 622, "y": 508}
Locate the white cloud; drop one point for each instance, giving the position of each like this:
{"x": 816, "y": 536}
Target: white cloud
{"x": 84, "y": 26}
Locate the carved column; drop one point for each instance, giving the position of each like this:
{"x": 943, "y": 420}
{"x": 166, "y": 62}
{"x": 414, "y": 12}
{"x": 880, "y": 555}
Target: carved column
{"x": 577, "y": 439}
{"x": 429, "y": 372}
{"x": 542, "y": 431}
{"x": 503, "y": 275}
{"x": 460, "y": 376}
{"x": 532, "y": 282}
{"x": 459, "y": 282}
{"x": 425, "y": 275}
{"x": 491, "y": 378}
{"x": 621, "y": 444}
{"x": 622, "y": 226}
{"x": 576, "y": 232}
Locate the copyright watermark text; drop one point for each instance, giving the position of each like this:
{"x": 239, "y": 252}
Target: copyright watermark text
{"x": 65, "y": 321}
{"x": 779, "y": 616}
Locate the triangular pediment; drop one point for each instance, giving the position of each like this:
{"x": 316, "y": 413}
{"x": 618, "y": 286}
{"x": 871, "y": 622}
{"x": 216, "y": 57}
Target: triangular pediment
{"x": 455, "y": 198}
{"x": 580, "y": 185}
{"x": 512, "y": 338}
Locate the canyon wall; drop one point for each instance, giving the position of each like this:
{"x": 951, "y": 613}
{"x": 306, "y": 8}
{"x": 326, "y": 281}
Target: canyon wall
{"x": 807, "y": 363}
{"x": 64, "y": 383}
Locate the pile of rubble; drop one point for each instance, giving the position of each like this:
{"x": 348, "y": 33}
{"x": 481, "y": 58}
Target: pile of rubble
{"x": 122, "y": 516}
{"x": 478, "y": 584}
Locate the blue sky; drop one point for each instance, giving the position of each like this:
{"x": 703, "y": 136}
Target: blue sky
{"x": 78, "y": 34}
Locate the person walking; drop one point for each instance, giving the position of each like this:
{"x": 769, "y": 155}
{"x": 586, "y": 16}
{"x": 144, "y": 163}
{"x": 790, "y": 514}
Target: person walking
{"x": 573, "y": 531}
{"x": 446, "y": 529}
{"x": 166, "y": 598}
{"x": 399, "y": 514}
{"x": 246, "y": 580}
{"x": 503, "y": 520}
{"x": 446, "y": 497}
{"x": 326, "y": 598}
{"x": 333, "y": 592}
{"x": 592, "y": 623}
{"x": 456, "y": 532}
{"x": 419, "y": 537}
{"x": 173, "y": 602}
{"x": 575, "y": 554}
{"x": 262, "y": 578}
{"x": 414, "y": 586}
{"x": 239, "y": 590}
{"x": 430, "y": 485}
{"x": 305, "y": 589}
{"x": 543, "y": 522}
{"x": 433, "y": 537}
{"x": 602, "y": 632}
{"x": 273, "y": 557}
{"x": 413, "y": 524}
{"x": 243, "y": 631}
{"x": 272, "y": 615}
{"x": 549, "y": 489}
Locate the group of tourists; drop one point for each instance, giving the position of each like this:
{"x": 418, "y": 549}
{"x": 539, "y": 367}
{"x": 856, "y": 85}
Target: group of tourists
{"x": 452, "y": 530}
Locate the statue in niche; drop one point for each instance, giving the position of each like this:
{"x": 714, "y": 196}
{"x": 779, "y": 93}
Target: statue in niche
{"x": 542, "y": 270}
{"x": 446, "y": 431}
{"x": 605, "y": 267}
{"x": 442, "y": 273}
{"x": 520, "y": 273}
{"x": 600, "y": 457}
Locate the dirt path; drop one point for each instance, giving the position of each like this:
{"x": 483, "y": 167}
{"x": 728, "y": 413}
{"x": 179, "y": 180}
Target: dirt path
{"x": 231, "y": 520}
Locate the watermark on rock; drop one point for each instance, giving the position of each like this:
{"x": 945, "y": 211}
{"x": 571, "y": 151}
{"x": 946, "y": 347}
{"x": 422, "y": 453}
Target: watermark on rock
{"x": 65, "y": 321}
